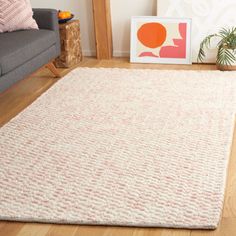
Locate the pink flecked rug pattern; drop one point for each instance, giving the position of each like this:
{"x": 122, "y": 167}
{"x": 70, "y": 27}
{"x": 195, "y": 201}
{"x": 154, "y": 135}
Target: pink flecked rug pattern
{"x": 121, "y": 147}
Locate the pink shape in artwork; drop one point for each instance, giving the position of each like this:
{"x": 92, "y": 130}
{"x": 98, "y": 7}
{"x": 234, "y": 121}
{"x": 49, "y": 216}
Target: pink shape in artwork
{"x": 179, "y": 50}
{"x": 147, "y": 54}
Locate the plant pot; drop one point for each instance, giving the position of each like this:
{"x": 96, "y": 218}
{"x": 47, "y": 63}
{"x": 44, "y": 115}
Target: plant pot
{"x": 228, "y": 68}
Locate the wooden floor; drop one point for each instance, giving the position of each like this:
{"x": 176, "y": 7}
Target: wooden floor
{"x": 25, "y": 92}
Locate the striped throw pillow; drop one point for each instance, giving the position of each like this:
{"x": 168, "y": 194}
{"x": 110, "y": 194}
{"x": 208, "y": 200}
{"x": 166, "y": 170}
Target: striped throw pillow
{"x": 16, "y": 15}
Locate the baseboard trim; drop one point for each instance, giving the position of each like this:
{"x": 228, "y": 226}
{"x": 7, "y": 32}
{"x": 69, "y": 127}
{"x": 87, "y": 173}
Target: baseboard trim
{"x": 121, "y": 53}
{"x": 92, "y": 53}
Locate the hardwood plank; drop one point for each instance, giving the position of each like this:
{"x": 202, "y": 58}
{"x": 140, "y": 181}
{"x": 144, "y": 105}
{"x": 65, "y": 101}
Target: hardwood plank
{"x": 103, "y": 31}
{"x": 91, "y": 231}
{"x": 62, "y": 230}
{"x": 175, "y": 232}
{"x": 21, "y": 95}
{"x": 2, "y": 224}
{"x": 147, "y": 232}
{"x": 31, "y": 229}
{"x": 230, "y": 193}
{"x": 25, "y": 92}
{"x": 227, "y": 227}
{"x": 10, "y": 229}
{"x": 128, "y": 231}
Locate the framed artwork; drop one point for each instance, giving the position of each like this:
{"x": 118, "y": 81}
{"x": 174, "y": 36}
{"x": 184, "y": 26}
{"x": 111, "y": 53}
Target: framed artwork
{"x": 160, "y": 40}
{"x": 208, "y": 16}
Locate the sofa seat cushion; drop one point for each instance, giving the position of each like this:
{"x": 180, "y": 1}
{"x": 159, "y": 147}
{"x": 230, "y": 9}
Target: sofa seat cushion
{"x": 18, "y": 47}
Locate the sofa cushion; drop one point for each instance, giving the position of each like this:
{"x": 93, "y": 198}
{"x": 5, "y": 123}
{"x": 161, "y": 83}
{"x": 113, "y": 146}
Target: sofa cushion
{"x": 18, "y": 47}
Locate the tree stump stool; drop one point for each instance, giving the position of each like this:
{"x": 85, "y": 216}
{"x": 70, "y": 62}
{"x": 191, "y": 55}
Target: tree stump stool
{"x": 71, "y": 53}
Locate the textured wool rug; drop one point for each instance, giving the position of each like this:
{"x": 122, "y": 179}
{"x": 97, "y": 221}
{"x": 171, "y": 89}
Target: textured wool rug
{"x": 121, "y": 147}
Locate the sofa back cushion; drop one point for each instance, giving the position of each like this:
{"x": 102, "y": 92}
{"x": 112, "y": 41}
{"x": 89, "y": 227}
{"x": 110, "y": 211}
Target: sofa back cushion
{"x": 16, "y": 15}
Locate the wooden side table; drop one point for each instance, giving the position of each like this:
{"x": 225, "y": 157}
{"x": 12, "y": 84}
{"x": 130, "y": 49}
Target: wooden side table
{"x": 71, "y": 53}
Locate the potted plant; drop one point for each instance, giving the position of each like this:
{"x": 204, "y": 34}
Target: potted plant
{"x": 226, "y": 55}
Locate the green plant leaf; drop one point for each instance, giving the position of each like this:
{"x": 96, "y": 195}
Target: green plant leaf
{"x": 225, "y": 57}
{"x": 206, "y": 42}
{"x": 228, "y": 41}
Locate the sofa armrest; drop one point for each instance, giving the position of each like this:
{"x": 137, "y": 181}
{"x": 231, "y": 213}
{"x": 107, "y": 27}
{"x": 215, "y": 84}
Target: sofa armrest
{"x": 48, "y": 19}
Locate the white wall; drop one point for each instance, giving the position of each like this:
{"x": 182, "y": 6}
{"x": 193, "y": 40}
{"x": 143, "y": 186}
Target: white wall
{"x": 207, "y": 18}
{"x": 83, "y": 11}
{"x": 121, "y": 11}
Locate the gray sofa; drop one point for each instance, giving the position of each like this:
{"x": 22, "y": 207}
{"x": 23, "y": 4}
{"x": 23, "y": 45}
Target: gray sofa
{"x": 23, "y": 52}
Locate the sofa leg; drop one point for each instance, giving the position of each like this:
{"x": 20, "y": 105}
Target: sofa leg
{"x": 53, "y": 69}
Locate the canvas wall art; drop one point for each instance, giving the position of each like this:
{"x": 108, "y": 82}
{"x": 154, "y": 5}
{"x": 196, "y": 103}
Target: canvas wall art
{"x": 160, "y": 40}
{"x": 208, "y": 16}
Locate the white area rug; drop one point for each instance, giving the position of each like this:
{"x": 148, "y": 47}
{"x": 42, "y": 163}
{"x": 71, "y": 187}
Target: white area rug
{"x": 121, "y": 147}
